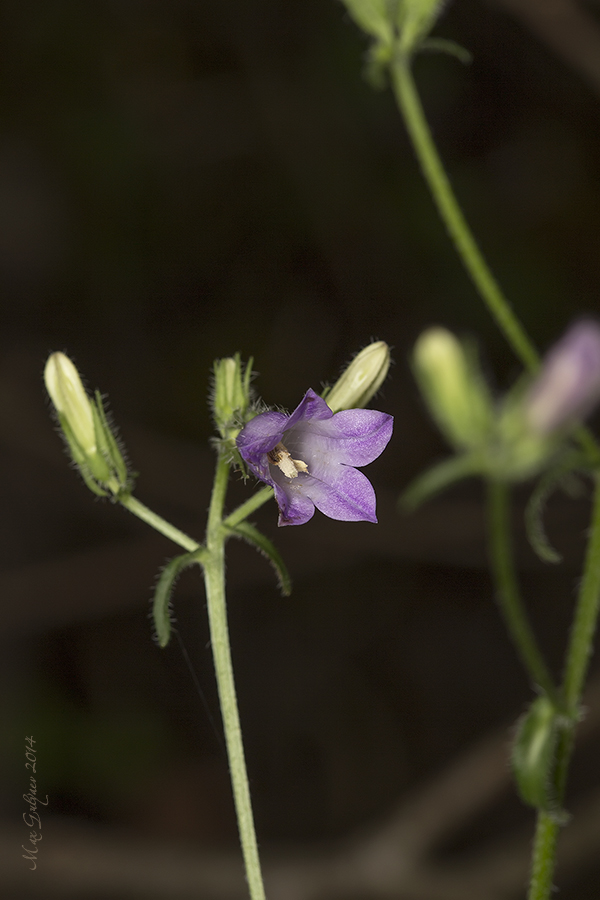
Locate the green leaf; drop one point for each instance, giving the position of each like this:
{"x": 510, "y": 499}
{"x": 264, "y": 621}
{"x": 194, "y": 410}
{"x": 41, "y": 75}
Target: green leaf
{"x": 161, "y": 612}
{"x": 252, "y": 535}
{"x": 533, "y": 755}
{"x": 436, "y": 479}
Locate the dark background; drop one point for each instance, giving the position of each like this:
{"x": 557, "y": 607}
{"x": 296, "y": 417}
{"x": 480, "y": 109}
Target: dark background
{"x": 183, "y": 180}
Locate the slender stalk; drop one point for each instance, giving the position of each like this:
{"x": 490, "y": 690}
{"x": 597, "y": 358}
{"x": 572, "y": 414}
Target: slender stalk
{"x": 579, "y": 651}
{"x": 507, "y": 589}
{"x": 452, "y": 216}
{"x": 248, "y": 507}
{"x": 543, "y": 857}
{"x": 586, "y": 615}
{"x": 158, "y": 523}
{"x": 214, "y": 579}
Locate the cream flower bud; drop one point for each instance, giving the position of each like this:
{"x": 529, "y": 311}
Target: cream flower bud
{"x": 453, "y": 387}
{"x": 361, "y": 380}
{"x": 71, "y": 401}
{"x": 89, "y": 437}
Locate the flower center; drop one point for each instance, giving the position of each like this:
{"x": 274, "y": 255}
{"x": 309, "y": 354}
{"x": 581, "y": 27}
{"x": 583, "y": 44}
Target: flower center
{"x": 281, "y": 457}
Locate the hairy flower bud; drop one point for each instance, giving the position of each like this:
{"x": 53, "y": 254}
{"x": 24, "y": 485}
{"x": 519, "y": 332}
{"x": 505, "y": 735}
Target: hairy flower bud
{"x": 568, "y": 385}
{"x": 361, "y": 379}
{"x": 453, "y": 387}
{"x": 231, "y": 394}
{"x": 91, "y": 443}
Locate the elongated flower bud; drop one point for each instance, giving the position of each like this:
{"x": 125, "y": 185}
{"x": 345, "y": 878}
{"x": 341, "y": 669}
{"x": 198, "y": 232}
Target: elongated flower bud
{"x": 361, "y": 380}
{"x": 568, "y": 386}
{"x": 453, "y": 387}
{"x": 91, "y": 443}
{"x": 70, "y": 400}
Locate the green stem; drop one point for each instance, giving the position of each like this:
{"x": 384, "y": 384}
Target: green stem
{"x": 214, "y": 579}
{"x": 507, "y": 589}
{"x": 246, "y": 509}
{"x": 579, "y": 651}
{"x": 586, "y": 615}
{"x": 452, "y": 216}
{"x": 157, "y": 522}
{"x": 543, "y": 857}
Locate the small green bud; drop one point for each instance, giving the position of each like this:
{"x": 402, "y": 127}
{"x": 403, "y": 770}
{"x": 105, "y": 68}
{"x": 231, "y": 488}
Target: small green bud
{"x": 361, "y": 379}
{"x": 453, "y": 387}
{"x": 92, "y": 444}
{"x": 231, "y": 395}
{"x": 534, "y": 753}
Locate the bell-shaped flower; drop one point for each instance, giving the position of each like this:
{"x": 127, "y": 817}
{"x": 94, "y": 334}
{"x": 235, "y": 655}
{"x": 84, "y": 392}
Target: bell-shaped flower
{"x": 309, "y": 459}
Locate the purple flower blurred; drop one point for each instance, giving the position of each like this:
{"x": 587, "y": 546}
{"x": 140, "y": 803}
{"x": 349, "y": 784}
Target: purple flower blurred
{"x": 309, "y": 456}
{"x": 568, "y": 385}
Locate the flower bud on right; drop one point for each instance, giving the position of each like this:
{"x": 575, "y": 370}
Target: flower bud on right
{"x": 568, "y": 385}
{"x": 361, "y": 380}
{"x": 453, "y": 387}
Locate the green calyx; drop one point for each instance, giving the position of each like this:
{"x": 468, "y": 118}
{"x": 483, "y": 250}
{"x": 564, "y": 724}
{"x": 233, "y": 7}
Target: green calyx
{"x": 533, "y": 757}
{"x": 397, "y": 27}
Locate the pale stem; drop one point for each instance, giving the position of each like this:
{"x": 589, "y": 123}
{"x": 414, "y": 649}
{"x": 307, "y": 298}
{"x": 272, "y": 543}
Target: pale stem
{"x": 214, "y": 578}
{"x": 158, "y": 523}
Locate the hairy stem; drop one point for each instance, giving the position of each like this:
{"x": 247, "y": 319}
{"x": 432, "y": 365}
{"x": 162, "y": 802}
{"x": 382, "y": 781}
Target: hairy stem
{"x": 214, "y": 579}
{"x": 544, "y": 854}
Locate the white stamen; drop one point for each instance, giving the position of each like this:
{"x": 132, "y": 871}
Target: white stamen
{"x": 281, "y": 457}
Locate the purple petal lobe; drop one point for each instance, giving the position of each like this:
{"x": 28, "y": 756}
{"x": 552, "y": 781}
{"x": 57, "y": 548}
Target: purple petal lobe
{"x": 295, "y": 508}
{"x": 311, "y": 408}
{"x": 349, "y": 497}
{"x": 258, "y": 437}
{"x": 354, "y": 437}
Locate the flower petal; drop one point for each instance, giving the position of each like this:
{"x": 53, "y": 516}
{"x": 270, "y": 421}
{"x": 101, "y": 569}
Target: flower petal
{"x": 259, "y": 436}
{"x": 295, "y": 508}
{"x": 311, "y": 408}
{"x": 348, "y": 496}
{"x": 354, "y": 437}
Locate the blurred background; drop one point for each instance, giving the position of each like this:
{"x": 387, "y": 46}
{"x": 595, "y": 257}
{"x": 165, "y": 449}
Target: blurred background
{"x": 182, "y": 180}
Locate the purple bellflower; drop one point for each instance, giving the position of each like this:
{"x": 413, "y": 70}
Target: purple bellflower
{"x": 308, "y": 458}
